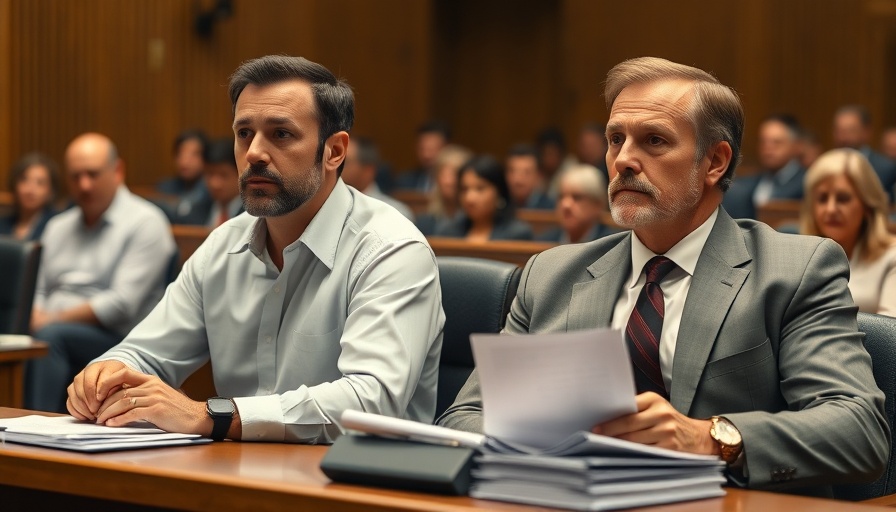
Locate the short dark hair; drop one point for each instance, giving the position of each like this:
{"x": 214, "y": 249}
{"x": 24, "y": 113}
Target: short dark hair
{"x": 435, "y": 126}
{"x": 368, "y": 154}
{"x": 523, "y": 150}
{"x": 334, "y": 100}
{"x": 859, "y": 110}
{"x": 191, "y": 134}
{"x": 35, "y": 158}
{"x": 220, "y": 151}
{"x": 788, "y": 120}
{"x": 491, "y": 170}
{"x": 551, "y": 136}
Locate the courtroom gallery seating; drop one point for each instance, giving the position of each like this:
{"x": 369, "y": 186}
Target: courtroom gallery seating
{"x": 476, "y": 297}
{"x": 880, "y": 340}
{"x": 19, "y": 261}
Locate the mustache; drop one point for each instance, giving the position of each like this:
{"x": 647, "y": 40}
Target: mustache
{"x": 260, "y": 171}
{"x": 628, "y": 181}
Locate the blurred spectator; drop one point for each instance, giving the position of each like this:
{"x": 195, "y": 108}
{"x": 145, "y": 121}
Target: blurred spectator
{"x": 34, "y": 183}
{"x": 852, "y": 129}
{"x": 846, "y": 203}
{"x": 359, "y": 171}
{"x": 186, "y": 188}
{"x": 580, "y": 207}
{"x": 431, "y": 137}
{"x": 105, "y": 264}
{"x": 443, "y": 206}
{"x": 888, "y": 143}
{"x": 488, "y": 212}
{"x": 524, "y": 180}
{"x": 592, "y": 147}
{"x": 781, "y": 174}
{"x": 810, "y": 148}
{"x": 552, "y": 158}
{"x": 222, "y": 180}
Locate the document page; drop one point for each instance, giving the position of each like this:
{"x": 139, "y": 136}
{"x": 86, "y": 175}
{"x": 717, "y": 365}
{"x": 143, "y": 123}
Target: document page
{"x": 68, "y": 433}
{"x": 539, "y": 389}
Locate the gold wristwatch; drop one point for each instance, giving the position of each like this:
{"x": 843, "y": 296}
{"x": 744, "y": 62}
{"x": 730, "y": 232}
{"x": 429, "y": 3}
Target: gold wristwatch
{"x": 728, "y": 437}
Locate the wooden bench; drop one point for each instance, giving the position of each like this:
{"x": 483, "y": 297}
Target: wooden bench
{"x": 188, "y": 239}
{"x": 539, "y": 220}
{"x": 511, "y": 251}
{"x": 778, "y": 212}
{"x": 12, "y": 372}
{"x": 417, "y": 201}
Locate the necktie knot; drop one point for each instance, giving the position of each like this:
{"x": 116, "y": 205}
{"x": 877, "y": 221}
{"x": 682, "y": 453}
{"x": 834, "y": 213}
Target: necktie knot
{"x": 658, "y": 267}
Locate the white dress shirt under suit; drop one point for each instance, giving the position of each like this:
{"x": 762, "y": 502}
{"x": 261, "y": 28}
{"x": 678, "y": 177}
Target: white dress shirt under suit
{"x": 353, "y": 321}
{"x": 675, "y": 288}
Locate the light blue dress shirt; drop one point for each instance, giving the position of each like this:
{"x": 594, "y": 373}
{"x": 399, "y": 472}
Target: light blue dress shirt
{"x": 119, "y": 266}
{"x": 353, "y": 321}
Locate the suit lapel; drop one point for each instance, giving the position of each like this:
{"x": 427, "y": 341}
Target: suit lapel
{"x": 716, "y": 282}
{"x": 593, "y": 301}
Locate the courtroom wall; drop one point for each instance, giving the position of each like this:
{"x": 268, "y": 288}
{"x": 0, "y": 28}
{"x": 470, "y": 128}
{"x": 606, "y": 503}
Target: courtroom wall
{"x": 497, "y": 70}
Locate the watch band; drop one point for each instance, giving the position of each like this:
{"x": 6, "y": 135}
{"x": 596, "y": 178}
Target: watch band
{"x": 220, "y": 421}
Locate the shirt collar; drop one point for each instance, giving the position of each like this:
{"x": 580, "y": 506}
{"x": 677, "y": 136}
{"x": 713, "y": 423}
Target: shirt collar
{"x": 116, "y": 209}
{"x": 685, "y": 253}
{"x": 321, "y": 236}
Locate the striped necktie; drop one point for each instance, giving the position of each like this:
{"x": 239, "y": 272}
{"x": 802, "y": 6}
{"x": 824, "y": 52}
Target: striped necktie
{"x": 645, "y": 327}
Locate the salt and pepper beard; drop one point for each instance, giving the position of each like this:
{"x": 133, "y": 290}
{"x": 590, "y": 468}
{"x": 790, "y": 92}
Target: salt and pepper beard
{"x": 293, "y": 191}
{"x": 684, "y": 195}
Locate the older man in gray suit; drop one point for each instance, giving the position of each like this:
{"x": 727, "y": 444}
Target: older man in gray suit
{"x": 743, "y": 340}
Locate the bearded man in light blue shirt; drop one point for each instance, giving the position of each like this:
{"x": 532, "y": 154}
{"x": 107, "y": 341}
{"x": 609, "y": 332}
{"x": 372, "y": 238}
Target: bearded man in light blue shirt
{"x": 317, "y": 300}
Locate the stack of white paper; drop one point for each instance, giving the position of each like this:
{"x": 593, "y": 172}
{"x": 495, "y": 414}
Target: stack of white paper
{"x": 68, "y": 433}
{"x": 541, "y": 395}
{"x": 585, "y": 471}
{"x": 592, "y": 472}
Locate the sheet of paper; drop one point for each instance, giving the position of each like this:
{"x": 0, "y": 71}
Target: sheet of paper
{"x": 14, "y": 341}
{"x": 68, "y": 426}
{"x": 539, "y": 389}
{"x": 68, "y": 433}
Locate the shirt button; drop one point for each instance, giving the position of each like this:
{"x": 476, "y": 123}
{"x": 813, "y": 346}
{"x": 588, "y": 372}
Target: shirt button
{"x": 276, "y": 289}
{"x": 268, "y": 339}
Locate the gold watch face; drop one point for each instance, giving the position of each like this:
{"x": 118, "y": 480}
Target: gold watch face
{"x": 725, "y": 433}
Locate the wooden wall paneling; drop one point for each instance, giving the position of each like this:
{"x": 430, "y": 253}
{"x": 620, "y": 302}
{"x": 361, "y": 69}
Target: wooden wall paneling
{"x": 6, "y": 157}
{"x": 383, "y": 49}
{"x": 497, "y": 73}
{"x": 598, "y": 35}
{"x": 86, "y": 65}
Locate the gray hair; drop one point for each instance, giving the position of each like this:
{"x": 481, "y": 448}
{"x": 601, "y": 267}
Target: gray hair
{"x": 715, "y": 113}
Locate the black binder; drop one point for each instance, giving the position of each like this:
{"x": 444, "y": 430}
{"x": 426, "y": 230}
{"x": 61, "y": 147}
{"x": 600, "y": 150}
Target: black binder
{"x": 399, "y": 464}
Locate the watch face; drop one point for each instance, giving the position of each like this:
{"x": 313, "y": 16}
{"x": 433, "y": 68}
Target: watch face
{"x": 726, "y": 433}
{"x": 221, "y": 406}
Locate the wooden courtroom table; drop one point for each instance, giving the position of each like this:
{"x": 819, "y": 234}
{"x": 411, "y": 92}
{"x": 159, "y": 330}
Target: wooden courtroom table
{"x": 12, "y": 372}
{"x": 261, "y": 477}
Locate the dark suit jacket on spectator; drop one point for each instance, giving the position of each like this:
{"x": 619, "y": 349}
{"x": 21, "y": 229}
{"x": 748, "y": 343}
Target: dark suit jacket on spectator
{"x": 513, "y": 229}
{"x": 8, "y": 224}
{"x": 884, "y": 167}
{"x": 738, "y": 201}
{"x": 415, "y": 179}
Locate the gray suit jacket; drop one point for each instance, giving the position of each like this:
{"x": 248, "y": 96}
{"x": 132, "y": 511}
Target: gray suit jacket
{"x": 768, "y": 338}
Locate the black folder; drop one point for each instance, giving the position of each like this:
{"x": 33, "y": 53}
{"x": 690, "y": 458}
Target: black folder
{"x": 399, "y": 464}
